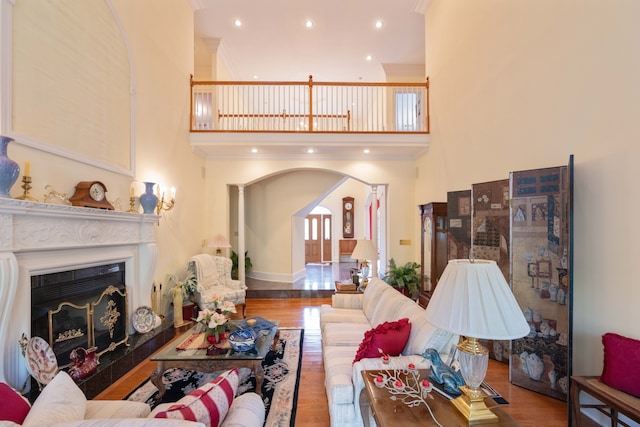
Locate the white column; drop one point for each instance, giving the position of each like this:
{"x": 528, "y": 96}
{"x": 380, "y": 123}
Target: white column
{"x": 241, "y": 221}
{"x": 10, "y": 351}
{"x": 374, "y": 226}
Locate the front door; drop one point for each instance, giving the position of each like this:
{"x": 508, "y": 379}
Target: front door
{"x": 317, "y": 238}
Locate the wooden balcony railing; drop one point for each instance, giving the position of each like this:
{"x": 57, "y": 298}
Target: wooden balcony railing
{"x": 225, "y": 106}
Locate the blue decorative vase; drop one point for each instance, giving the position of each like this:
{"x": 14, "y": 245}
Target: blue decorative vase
{"x": 148, "y": 200}
{"x": 9, "y": 170}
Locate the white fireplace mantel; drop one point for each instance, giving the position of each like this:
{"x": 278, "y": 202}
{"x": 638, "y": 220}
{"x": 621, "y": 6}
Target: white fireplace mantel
{"x": 38, "y": 238}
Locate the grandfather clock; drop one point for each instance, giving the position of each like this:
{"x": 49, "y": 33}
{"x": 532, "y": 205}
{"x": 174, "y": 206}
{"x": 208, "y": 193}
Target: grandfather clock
{"x": 433, "y": 251}
{"x": 347, "y": 217}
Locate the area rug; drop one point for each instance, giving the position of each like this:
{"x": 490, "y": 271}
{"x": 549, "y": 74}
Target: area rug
{"x": 281, "y": 366}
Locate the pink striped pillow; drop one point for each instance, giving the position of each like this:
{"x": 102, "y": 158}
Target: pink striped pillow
{"x": 208, "y": 404}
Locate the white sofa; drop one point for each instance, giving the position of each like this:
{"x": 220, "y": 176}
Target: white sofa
{"x": 62, "y": 404}
{"x": 343, "y": 325}
{"x": 213, "y": 275}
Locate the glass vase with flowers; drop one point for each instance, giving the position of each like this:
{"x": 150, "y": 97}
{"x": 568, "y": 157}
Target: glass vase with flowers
{"x": 214, "y": 318}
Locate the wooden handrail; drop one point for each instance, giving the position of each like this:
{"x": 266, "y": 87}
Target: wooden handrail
{"x": 402, "y": 109}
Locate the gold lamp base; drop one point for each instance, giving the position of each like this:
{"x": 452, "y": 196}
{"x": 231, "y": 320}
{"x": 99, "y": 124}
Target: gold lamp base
{"x": 471, "y": 405}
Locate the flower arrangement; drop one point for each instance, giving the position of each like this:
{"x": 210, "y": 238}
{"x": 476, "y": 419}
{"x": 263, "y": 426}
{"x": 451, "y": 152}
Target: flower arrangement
{"x": 215, "y": 317}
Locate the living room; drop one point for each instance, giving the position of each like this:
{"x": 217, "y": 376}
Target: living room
{"x": 513, "y": 87}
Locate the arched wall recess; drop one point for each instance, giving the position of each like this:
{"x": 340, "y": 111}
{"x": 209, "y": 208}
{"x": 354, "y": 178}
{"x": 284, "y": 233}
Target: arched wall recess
{"x": 89, "y": 117}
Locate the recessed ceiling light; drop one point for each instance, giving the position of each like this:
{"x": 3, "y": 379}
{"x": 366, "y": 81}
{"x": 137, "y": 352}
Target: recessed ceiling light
{"x": 237, "y": 23}
{"x": 308, "y": 23}
{"x": 366, "y": 151}
{"x": 369, "y": 57}
{"x": 254, "y": 150}
{"x": 310, "y": 150}
{"x": 378, "y": 24}
{"x": 255, "y": 77}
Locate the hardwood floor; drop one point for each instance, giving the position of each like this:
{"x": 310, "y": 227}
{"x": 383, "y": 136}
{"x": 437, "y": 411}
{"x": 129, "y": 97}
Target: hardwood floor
{"x": 528, "y": 408}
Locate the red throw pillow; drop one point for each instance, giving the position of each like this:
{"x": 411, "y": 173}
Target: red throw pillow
{"x": 621, "y": 361}
{"x": 388, "y": 337}
{"x": 208, "y": 404}
{"x": 14, "y": 407}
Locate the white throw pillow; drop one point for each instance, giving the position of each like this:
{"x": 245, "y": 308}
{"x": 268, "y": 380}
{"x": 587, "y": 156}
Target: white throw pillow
{"x": 60, "y": 401}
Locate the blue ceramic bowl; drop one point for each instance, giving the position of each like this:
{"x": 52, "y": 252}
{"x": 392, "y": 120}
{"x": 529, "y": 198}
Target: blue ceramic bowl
{"x": 242, "y": 340}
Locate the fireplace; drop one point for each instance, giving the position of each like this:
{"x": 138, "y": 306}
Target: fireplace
{"x": 85, "y": 308}
{"x": 46, "y": 240}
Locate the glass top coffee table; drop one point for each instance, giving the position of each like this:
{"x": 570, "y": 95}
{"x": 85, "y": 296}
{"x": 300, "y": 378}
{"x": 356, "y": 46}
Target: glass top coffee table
{"x": 216, "y": 358}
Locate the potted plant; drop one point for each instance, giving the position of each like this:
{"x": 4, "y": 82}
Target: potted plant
{"x": 187, "y": 286}
{"x": 234, "y": 260}
{"x": 406, "y": 276}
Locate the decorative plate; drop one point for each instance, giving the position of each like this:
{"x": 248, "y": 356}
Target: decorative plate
{"x": 143, "y": 319}
{"x": 242, "y": 340}
{"x": 41, "y": 360}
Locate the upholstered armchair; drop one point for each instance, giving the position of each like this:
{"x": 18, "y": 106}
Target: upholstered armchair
{"x": 213, "y": 276}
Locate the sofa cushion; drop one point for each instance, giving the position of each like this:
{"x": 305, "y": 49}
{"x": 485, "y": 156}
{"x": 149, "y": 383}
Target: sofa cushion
{"x": 329, "y": 314}
{"x": 350, "y": 334}
{"x": 621, "y": 360}
{"x": 60, "y": 401}
{"x": 424, "y": 335}
{"x": 389, "y": 309}
{"x": 387, "y": 338}
{"x": 338, "y": 361}
{"x": 208, "y": 404}
{"x": 14, "y": 407}
{"x": 371, "y": 297}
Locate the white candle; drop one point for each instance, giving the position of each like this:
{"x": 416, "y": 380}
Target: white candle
{"x": 27, "y": 168}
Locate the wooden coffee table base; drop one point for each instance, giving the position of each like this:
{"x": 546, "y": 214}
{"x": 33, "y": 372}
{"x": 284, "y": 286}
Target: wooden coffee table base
{"x": 208, "y": 366}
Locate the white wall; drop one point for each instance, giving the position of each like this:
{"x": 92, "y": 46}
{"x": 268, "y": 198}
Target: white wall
{"x": 163, "y": 61}
{"x": 523, "y": 85}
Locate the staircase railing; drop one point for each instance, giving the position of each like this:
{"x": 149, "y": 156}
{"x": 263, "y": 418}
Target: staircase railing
{"x": 240, "y": 106}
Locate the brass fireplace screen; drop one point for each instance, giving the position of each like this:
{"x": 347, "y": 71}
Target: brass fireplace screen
{"x": 101, "y": 323}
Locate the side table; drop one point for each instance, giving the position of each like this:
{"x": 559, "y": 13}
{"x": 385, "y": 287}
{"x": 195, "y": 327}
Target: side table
{"x": 391, "y": 413}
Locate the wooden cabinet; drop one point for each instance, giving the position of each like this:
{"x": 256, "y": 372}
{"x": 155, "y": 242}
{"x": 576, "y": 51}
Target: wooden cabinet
{"x": 346, "y": 247}
{"x": 433, "y": 251}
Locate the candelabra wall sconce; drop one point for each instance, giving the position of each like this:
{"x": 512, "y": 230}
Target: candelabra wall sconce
{"x": 166, "y": 203}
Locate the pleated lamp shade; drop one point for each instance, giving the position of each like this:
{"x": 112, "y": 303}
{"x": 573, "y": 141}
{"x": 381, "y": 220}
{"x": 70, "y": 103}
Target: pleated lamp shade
{"x": 474, "y": 300}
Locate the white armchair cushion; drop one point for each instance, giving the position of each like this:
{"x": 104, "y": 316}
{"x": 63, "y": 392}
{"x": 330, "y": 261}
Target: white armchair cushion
{"x": 61, "y": 400}
{"x": 246, "y": 410}
{"x": 125, "y": 422}
{"x": 116, "y": 409}
{"x": 213, "y": 275}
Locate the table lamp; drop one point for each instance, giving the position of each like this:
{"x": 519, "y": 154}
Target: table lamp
{"x": 219, "y": 242}
{"x": 365, "y": 250}
{"x": 473, "y": 300}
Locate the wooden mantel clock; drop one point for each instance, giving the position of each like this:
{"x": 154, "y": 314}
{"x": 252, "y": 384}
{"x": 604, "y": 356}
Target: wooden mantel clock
{"x": 347, "y": 217}
{"x": 91, "y": 194}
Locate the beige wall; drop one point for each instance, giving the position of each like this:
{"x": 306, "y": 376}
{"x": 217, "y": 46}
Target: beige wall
{"x": 402, "y": 218}
{"x": 163, "y": 61}
{"x": 522, "y": 85}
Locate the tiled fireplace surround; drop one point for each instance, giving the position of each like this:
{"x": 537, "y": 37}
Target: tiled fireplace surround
{"x": 37, "y": 238}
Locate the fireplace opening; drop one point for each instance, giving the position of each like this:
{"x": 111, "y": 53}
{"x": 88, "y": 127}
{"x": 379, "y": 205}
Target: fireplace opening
{"x": 84, "y": 308}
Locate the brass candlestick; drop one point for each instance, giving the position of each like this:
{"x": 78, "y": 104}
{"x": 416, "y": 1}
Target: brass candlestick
{"x": 132, "y": 204}
{"x": 26, "y": 186}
